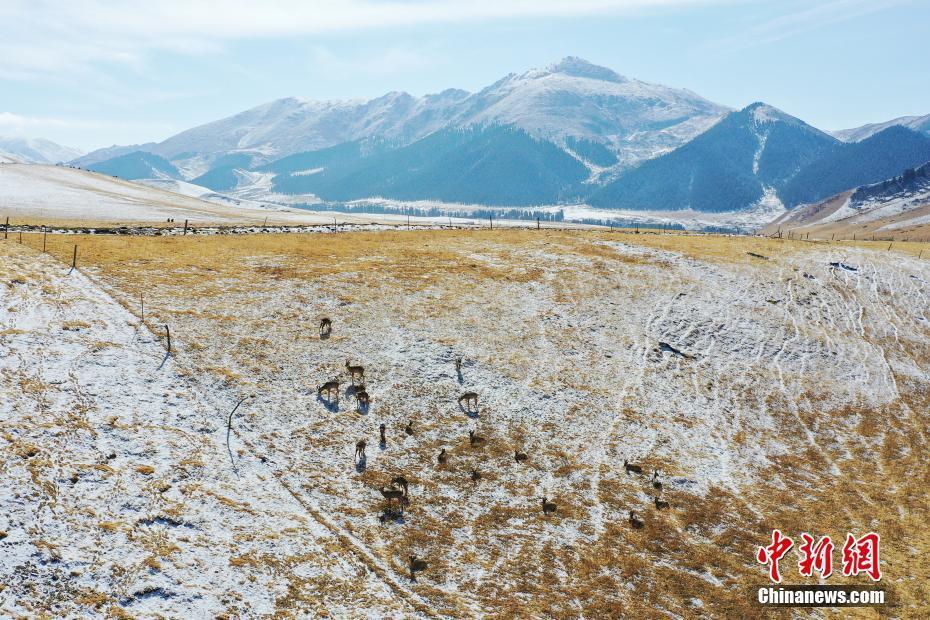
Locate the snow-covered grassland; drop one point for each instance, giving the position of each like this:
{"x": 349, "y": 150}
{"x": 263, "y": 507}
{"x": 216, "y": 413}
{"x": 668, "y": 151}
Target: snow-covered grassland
{"x": 767, "y": 393}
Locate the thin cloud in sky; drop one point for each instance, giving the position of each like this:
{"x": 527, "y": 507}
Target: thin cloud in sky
{"x": 49, "y": 37}
{"x": 29, "y": 126}
{"x": 808, "y": 17}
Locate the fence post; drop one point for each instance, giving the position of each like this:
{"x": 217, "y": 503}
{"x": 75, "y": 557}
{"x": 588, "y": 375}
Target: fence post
{"x": 168, "y": 334}
{"x": 74, "y": 259}
{"x": 185, "y": 227}
{"x": 44, "y": 238}
{"x": 6, "y": 227}
{"x": 491, "y": 220}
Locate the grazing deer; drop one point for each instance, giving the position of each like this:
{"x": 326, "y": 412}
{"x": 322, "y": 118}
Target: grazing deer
{"x": 409, "y": 428}
{"x": 547, "y": 506}
{"x": 360, "y": 449}
{"x": 329, "y": 387}
{"x": 630, "y": 467}
{"x": 655, "y": 480}
{"x": 416, "y": 565}
{"x": 660, "y": 504}
{"x": 402, "y": 482}
{"x": 519, "y": 457}
{"x": 469, "y": 398}
{"x": 355, "y": 371}
{"x": 326, "y": 325}
{"x": 442, "y": 458}
{"x": 475, "y": 475}
{"x": 476, "y": 441}
{"x": 361, "y": 400}
{"x": 636, "y": 523}
{"x": 382, "y": 429}
{"x": 391, "y": 494}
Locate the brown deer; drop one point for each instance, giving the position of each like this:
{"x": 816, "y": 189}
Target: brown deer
{"x": 520, "y": 457}
{"x": 660, "y": 504}
{"x": 409, "y": 428}
{"x": 326, "y": 326}
{"x": 547, "y": 506}
{"x": 401, "y": 482}
{"x": 391, "y": 494}
{"x": 475, "y": 475}
{"x": 382, "y": 429}
{"x": 416, "y": 565}
{"x": 630, "y": 467}
{"x": 361, "y": 400}
{"x": 360, "y": 449}
{"x": 635, "y": 522}
{"x": 355, "y": 371}
{"x": 329, "y": 387}
{"x": 442, "y": 458}
{"x": 655, "y": 480}
{"x": 470, "y": 399}
{"x": 476, "y": 441}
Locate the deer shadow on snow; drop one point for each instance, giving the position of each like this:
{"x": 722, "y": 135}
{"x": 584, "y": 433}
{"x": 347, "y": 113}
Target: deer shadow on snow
{"x": 474, "y": 414}
{"x": 392, "y": 515}
{"x": 331, "y": 405}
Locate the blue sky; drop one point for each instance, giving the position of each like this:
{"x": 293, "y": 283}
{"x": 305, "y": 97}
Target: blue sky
{"x": 90, "y": 73}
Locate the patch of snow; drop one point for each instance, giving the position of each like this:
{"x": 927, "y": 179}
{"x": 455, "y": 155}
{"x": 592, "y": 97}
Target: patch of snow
{"x": 308, "y": 172}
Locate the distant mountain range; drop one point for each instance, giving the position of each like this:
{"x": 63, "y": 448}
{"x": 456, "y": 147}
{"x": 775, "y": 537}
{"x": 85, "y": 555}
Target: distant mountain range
{"x": 35, "y": 151}
{"x": 920, "y": 124}
{"x": 571, "y": 133}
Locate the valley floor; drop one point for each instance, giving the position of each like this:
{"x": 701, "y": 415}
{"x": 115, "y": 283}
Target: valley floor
{"x": 781, "y": 393}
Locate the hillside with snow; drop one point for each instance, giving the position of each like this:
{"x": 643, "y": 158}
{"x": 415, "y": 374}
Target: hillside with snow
{"x": 61, "y": 195}
{"x": 216, "y": 479}
{"x": 36, "y": 150}
{"x": 897, "y": 208}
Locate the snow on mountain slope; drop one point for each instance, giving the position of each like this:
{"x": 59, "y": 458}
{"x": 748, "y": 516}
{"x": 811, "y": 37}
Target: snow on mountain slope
{"x": 293, "y": 124}
{"x": 896, "y": 208}
{"x": 857, "y": 134}
{"x": 569, "y": 98}
{"x": 575, "y": 98}
{"x": 253, "y": 192}
{"x": 36, "y": 150}
{"x": 732, "y": 166}
{"x": 59, "y": 194}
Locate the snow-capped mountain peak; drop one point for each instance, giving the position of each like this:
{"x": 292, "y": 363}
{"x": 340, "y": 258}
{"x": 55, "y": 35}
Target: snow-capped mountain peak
{"x": 765, "y": 113}
{"x": 579, "y": 67}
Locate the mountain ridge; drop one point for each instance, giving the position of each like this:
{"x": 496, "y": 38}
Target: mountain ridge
{"x": 571, "y": 97}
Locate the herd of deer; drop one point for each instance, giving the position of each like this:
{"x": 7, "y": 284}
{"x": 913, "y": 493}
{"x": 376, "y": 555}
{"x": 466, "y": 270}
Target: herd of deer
{"x": 398, "y": 491}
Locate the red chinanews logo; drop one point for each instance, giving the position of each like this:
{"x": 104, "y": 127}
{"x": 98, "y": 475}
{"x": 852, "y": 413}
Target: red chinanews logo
{"x": 860, "y": 555}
